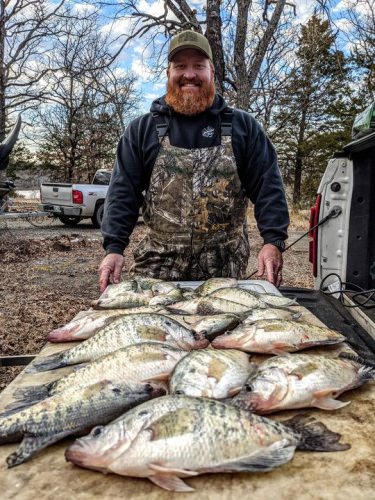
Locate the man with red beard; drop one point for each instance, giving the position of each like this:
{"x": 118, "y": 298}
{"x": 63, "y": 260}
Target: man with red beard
{"x": 193, "y": 163}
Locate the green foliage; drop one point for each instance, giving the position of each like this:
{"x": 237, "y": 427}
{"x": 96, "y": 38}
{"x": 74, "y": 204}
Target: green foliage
{"x": 316, "y": 110}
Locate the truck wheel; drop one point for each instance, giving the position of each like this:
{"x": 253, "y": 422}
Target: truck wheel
{"x": 98, "y": 215}
{"x": 69, "y": 220}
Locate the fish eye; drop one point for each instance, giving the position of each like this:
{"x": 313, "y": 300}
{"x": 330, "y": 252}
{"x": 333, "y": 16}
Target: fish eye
{"x": 180, "y": 392}
{"x": 116, "y": 390}
{"x": 248, "y": 388}
{"x": 97, "y": 431}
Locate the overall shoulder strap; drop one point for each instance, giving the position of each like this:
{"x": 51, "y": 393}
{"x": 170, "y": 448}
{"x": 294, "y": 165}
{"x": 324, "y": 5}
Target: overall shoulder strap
{"x": 162, "y": 125}
{"x": 226, "y": 121}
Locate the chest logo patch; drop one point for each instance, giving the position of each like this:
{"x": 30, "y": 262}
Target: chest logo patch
{"x": 208, "y": 132}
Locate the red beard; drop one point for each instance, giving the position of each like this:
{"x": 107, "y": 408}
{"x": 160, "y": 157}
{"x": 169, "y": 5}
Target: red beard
{"x": 190, "y": 103}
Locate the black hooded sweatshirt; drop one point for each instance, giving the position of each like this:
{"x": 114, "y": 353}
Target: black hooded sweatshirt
{"x": 137, "y": 151}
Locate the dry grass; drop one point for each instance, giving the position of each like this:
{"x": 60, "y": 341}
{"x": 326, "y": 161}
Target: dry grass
{"x": 47, "y": 281}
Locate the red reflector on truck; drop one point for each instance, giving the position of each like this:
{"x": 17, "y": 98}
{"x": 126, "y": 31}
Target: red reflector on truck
{"x": 313, "y": 243}
{"x": 77, "y": 197}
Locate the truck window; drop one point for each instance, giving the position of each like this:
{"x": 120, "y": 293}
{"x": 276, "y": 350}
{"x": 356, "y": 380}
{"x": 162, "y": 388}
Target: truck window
{"x": 102, "y": 178}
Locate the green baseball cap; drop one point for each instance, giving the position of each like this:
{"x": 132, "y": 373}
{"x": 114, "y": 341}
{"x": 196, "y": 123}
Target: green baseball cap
{"x": 189, "y": 40}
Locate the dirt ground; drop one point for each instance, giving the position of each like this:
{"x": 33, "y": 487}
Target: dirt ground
{"x": 49, "y": 274}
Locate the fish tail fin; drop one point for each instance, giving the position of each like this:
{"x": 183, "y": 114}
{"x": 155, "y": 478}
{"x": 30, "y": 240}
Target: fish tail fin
{"x": 33, "y": 393}
{"x": 314, "y": 435}
{"x": 48, "y": 363}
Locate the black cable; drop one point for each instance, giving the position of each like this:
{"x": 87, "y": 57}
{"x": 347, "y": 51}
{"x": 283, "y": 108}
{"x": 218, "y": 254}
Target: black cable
{"x": 345, "y": 287}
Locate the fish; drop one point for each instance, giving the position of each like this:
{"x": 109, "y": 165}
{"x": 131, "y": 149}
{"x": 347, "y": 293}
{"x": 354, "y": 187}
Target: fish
{"x": 72, "y": 412}
{"x": 302, "y": 381}
{"x": 207, "y": 306}
{"x": 146, "y": 283}
{"x": 123, "y": 300}
{"x": 215, "y": 305}
{"x": 252, "y": 299}
{"x": 122, "y": 332}
{"x": 172, "y": 438}
{"x": 211, "y": 326}
{"x": 163, "y": 287}
{"x": 174, "y": 295}
{"x": 146, "y": 362}
{"x": 271, "y": 313}
{"x": 274, "y": 336}
{"x": 87, "y": 323}
{"x": 213, "y": 284}
{"x": 211, "y": 373}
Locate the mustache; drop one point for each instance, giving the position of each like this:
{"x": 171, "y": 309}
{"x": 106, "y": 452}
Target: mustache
{"x": 196, "y": 81}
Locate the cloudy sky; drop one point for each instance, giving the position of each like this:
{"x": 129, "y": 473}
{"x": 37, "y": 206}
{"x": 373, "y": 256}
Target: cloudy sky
{"x": 136, "y": 56}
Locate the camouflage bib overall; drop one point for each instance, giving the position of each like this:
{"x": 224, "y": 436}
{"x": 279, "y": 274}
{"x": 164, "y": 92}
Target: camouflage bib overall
{"x": 195, "y": 212}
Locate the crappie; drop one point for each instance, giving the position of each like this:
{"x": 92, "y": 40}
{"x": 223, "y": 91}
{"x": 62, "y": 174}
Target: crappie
{"x": 174, "y": 295}
{"x": 215, "y": 305}
{"x": 211, "y": 326}
{"x": 271, "y": 313}
{"x": 211, "y": 373}
{"x": 122, "y": 332}
{"x": 176, "y": 437}
{"x": 252, "y": 299}
{"x": 276, "y": 337}
{"x": 149, "y": 361}
{"x": 213, "y": 284}
{"x": 89, "y": 322}
{"x": 73, "y": 412}
{"x": 123, "y": 300}
{"x": 184, "y": 307}
{"x": 300, "y": 380}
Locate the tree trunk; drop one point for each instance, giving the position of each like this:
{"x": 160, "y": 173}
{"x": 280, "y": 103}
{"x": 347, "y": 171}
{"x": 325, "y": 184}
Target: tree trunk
{"x": 298, "y": 165}
{"x": 263, "y": 44}
{"x": 213, "y": 34}
{"x": 2, "y": 70}
{"x": 242, "y": 81}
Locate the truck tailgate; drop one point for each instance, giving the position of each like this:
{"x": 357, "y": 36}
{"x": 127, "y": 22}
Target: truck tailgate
{"x": 348, "y": 474}
{"x": 56, "y": 194}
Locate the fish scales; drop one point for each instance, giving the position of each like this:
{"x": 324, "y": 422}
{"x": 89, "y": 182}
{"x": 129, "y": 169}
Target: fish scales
{"x": 299, "y": 380}
{"x": 277, "y": 336}
{"x": 148, "y": 361}
{"x": 179, "y": 437}
{"x": 211, "y": 373}
{"x": 122, "y": 332}
{"x": 76, "y": 410}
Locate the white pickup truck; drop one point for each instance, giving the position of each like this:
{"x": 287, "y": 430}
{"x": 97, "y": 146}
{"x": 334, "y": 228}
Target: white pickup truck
{"x": 73, "y": 202}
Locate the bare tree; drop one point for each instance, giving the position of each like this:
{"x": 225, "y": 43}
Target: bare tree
{"x": 178, "y": 15}
{"x": 80, "y": 116}
{"x": 361, "y": 17}
{"x": 24, "y": 27}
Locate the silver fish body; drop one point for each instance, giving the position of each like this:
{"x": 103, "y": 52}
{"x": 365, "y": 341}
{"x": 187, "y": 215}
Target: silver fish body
{"x": 272, "y": 313}
{"x": 122, "y": 332}
{"x": 211, "y": 373}
{"x": 299, "y": 381}
{"x": 179, "y": 437}
{"x": 69, "y": 413}
{"x": 146, "y": 362}
{"x": 212, "y": 284}
{"x": 252, "y": 299}
{"x": 276, "y": 337}
{"x": 123, "y": 300}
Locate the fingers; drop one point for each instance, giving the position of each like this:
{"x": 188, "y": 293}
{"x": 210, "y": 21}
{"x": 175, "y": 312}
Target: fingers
{"x": 110, "y": 267}
{"x": 270, "y": 262}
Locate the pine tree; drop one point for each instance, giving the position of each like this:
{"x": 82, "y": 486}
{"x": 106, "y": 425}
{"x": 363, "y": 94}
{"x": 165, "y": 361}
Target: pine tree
{"x": 316, "y": 110}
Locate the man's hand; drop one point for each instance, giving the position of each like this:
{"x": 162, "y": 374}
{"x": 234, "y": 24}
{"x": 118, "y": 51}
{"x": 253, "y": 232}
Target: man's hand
{"x": 270, "y": 262}
{"x": 110, "y": 268}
